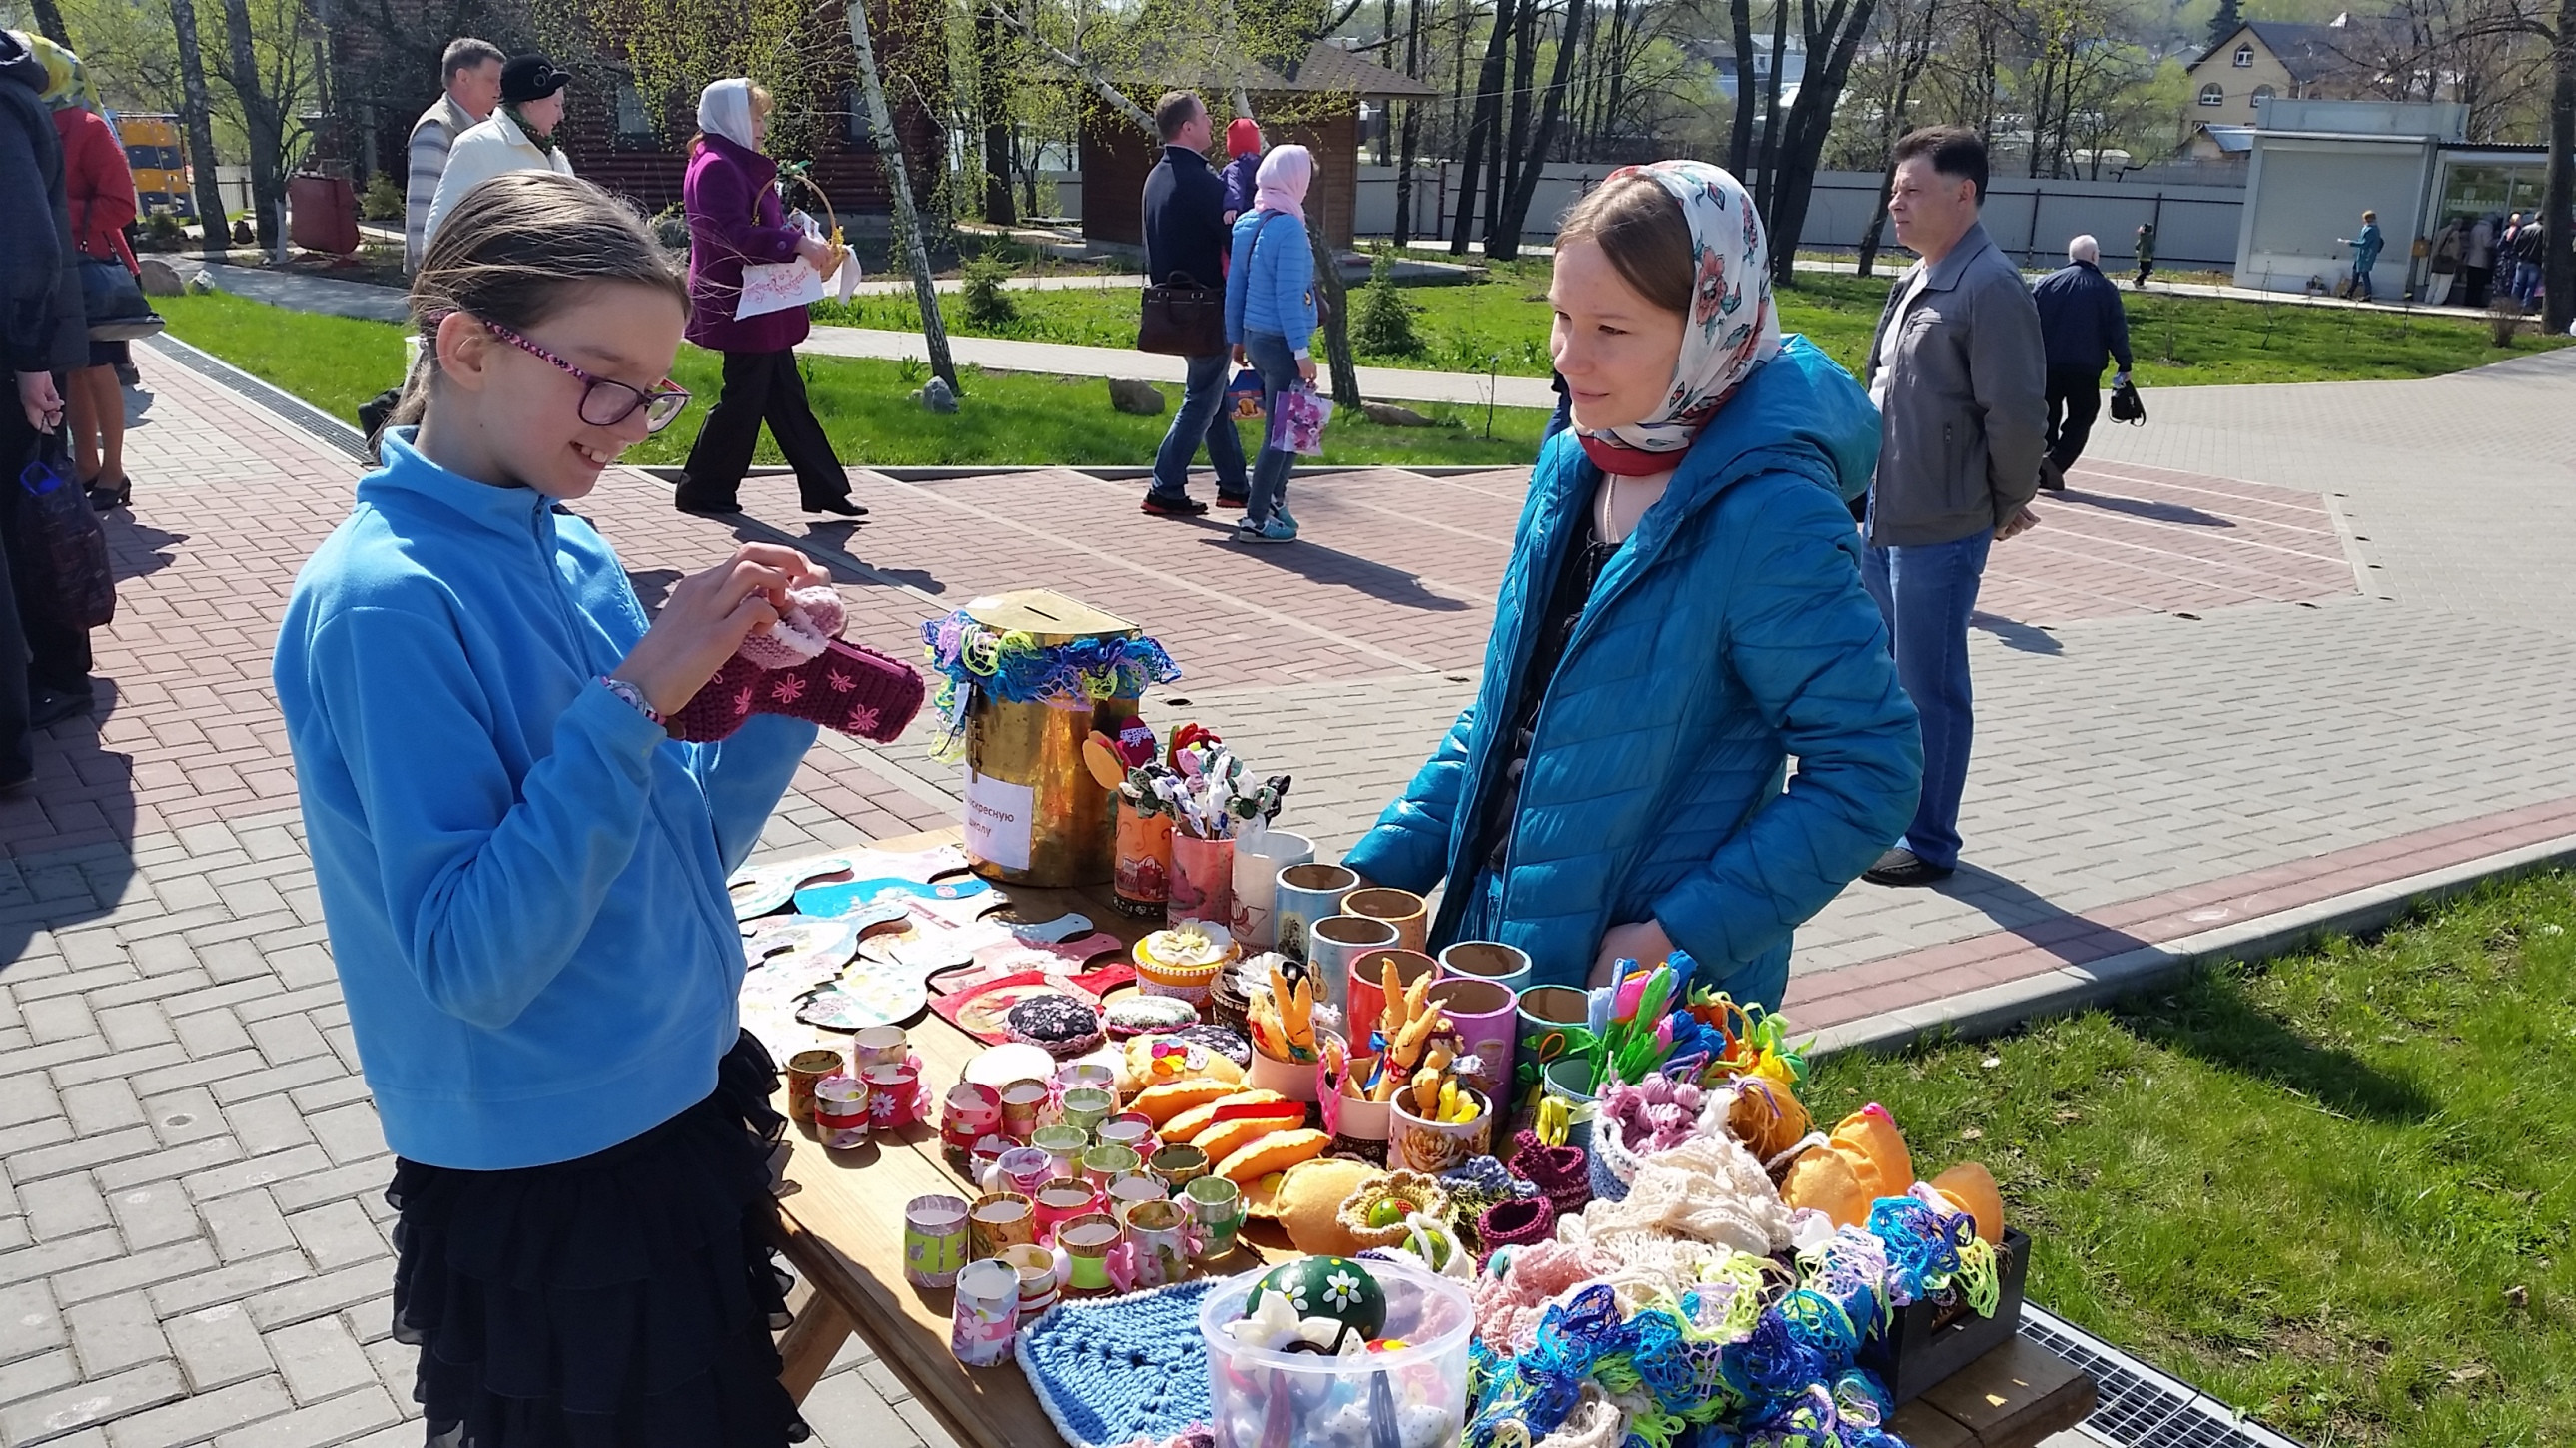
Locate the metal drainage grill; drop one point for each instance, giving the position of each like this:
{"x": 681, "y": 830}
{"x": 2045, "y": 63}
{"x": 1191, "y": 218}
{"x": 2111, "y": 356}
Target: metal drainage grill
{"x": 2140, "y": 1407}
{"x": 294, "y": 411}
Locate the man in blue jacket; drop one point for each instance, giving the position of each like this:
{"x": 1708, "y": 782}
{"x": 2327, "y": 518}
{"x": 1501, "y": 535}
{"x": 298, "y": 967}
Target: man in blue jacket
{"x": 1185, "y": 244}
{"x": 2084, "y": 325}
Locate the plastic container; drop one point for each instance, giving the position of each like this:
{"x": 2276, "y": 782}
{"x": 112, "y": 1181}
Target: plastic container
{"x": 1323, "y": 1402}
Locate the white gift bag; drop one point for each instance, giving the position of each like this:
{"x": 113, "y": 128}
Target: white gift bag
{"x": 774, "y": 286}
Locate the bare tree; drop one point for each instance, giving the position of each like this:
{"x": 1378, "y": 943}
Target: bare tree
{"x": 197, "y": 115}
{"x": 1503, "y": 242}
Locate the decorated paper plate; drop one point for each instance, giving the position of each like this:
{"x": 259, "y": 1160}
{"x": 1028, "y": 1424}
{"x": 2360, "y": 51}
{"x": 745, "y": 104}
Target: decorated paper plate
{"x": 979, "y": 1011}
{"x": 1064, "y": 957}
{"x": 920, "y": 948}
{"x": 865, "y": 994}
{"x": 803, "y": 947}
{"x": 944, "y": 899}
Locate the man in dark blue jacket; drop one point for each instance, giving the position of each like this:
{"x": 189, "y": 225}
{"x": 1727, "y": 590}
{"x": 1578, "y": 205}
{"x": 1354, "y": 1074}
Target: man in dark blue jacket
{"x": 1185, "y": 244}
{"x": 2084, "y": 325}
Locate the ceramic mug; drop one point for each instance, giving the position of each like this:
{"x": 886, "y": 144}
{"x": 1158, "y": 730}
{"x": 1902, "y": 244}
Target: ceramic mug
{"x": 1487, "y": 1016}
{"x": 1307, "y": 893}
{"x": 1505, "y": 965}
{"x": 1406, "y": 911}
{"x": 1257, "y": 863}
{"x": 1333, "y": 942}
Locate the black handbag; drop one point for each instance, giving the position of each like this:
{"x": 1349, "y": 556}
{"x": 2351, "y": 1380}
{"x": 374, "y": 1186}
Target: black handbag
{"x": 1182, "y": 318}
{"x": 2126, "y": 405}
{"x": 69, "y": 578}
{"x": 112, "y": 299}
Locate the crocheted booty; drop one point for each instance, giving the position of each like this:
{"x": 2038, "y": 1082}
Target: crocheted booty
{"x": 1516, "y": 1223}
{"x": 812, "y": 619}
{"x": 1562, "y": 1172}
{"x": 847, "y": 687}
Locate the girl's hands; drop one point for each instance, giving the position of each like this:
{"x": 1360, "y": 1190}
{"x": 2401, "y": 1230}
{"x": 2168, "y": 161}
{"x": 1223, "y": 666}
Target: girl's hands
{"x": 708, "y": 616}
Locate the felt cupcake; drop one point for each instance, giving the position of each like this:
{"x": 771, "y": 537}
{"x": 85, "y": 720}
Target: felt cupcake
{"x": 1183, "y": 960}
{"x": 1060, "y": 1025}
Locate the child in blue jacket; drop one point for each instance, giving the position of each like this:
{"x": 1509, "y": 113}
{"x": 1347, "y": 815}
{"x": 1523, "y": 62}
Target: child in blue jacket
{"x": 1270, "y": 319}
{"x": 524, "y": 876}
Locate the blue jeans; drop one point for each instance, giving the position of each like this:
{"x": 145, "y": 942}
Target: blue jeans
{"x": 2361, "y": 278}
{"x": 1925, "y": 593}
{"x": 1278, "y": 368}
{"x": 2526, "y": 282}
{"x": 1203, "y": 414}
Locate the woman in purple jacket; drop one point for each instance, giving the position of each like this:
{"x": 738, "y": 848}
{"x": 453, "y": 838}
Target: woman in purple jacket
{"x": 735, "y": 218}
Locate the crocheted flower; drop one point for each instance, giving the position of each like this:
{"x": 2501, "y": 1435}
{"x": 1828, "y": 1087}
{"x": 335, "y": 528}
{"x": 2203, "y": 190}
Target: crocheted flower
{"x": 841, "y": 683}
{"x": 788, "y": 689}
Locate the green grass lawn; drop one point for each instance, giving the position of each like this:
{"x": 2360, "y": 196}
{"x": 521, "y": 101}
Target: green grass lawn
{"x": 1501, "y": 323}
{"x": 336, "y": 363}
{"x": 2336, "y": 1191}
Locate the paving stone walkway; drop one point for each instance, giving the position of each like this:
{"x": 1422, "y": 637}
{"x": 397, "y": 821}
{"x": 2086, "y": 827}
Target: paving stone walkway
{"x": 2280, "y": 643}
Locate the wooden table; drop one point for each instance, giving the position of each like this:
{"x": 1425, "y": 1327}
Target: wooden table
{"x": 843, "y": 1215}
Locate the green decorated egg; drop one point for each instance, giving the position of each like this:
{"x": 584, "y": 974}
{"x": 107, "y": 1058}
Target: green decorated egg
{"x": 1329, "y": 1287}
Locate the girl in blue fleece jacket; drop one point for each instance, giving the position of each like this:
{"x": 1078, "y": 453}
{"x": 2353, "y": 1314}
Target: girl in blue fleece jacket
{"x": 524, "y": 876}
{"x": 1270, "y": 318}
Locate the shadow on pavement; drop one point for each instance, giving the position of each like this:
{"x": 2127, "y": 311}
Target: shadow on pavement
{"x": 2143, "y": 508}
{"x": 1318, "y": 564}
{"x": 70, "y": 834}
{"x": 2025, "y": 637}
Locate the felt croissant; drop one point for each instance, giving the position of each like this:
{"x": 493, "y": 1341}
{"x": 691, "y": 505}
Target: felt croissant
{"x": 1863, "y": 1160}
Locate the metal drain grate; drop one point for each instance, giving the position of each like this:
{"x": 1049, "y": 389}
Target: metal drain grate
{"x": 289, "y": 409}
{"x": 2140, "y": 1407}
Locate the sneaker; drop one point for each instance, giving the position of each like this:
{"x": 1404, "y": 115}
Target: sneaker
{"x": 1237, "y": 501}
{"x": 1277, "y": 530}
{"x": 1902, "y": 867}
{"x": 1282, "y": 514}
{"x": 1183, "y": 506}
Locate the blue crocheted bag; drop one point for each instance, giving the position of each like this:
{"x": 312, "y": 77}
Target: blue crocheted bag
{"x": 1116, "y": 1369}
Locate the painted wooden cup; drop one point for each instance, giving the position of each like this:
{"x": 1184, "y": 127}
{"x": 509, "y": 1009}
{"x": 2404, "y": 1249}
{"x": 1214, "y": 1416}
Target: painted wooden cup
{"x": 1307, "y": 893}
{"x": 1505, "y": 965}
{"x": 1488, "y": 1019}
{"x": 1406, "y": 911}
{"x": 1257, "y": 863}
{"x": 1333, "y": 942}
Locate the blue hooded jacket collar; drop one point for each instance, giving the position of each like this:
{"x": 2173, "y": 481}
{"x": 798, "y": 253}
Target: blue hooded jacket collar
{"x": 407, "y": 477}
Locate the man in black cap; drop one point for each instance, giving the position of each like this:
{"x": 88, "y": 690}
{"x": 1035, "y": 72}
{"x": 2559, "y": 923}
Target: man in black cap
{"x": 520, "y": 136}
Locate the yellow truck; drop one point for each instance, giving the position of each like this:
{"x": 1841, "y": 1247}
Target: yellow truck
{"x": 158, "y": 154}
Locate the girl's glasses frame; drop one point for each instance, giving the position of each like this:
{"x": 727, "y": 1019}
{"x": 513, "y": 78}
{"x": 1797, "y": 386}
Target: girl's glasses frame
{"x": 601, "y": 403}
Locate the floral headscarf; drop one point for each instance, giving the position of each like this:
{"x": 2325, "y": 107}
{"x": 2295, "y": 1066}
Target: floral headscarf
{"x": 1732, "y": 327}
{"x": 67, "y": 84}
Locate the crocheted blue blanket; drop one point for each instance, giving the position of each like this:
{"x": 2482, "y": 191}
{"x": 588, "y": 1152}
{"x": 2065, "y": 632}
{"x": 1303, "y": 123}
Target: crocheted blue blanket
{"x": 1113, "y": 1370}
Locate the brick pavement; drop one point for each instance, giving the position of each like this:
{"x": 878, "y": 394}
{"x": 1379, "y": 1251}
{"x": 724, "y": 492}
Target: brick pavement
{"x": 2191, "y": 706}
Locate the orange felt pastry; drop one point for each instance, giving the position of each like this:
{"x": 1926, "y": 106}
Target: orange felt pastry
{"x": 1821, "y": 1180}
{"x": 1275, "y": 1152}
{"x": 1863, "y": 1160}
{"x": 1309, "y": 1203}
{"x": 1187, "y": 1125}
{"x": 1226, "y": 1138}
{"x": 1971, "y": 1188}
{"x": 1161, "y": 1103}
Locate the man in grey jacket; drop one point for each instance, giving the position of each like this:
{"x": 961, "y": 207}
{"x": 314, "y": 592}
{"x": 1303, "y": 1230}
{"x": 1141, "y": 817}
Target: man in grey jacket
{"x": 1959, "y": 375}
{"x": 470, "y": 75}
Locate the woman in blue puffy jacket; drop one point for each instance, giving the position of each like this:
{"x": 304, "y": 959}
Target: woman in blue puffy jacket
{"x": 1270, "y": 319}
{"x": 1682, "y": 616}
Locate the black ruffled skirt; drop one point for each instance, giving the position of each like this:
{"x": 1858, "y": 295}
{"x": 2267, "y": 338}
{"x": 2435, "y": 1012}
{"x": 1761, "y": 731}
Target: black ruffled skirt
{"x": 623, "y": 1300}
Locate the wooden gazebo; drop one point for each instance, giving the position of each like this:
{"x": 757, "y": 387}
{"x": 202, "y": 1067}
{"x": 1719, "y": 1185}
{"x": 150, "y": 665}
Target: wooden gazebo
{"x": 1319, "y": 105}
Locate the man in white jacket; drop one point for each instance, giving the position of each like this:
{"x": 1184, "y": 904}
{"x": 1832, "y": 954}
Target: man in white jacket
{"x": 518, "y": 137}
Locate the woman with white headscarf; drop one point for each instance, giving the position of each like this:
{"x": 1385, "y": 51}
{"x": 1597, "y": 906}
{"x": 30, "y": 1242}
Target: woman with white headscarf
{"x": 1683, "y": 615}
{"x": 735, "y": 218}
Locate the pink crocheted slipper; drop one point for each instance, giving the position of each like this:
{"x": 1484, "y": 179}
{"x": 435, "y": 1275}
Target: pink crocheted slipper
{"x": 799, "y": 669}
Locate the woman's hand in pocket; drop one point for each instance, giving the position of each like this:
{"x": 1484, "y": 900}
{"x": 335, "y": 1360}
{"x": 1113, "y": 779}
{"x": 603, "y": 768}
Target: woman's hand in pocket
{"x": 708, "y": 616}
{"x": 1644, "y": 942}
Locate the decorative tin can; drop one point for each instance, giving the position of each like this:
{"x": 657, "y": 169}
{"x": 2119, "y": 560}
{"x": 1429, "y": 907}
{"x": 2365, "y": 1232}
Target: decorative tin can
{"x": 1038, "y": 1281}
{"x": 1130, "y": 1130}
{"x": 1156, "y": 1234}
{"x": 1063, "y": 1146}
{"x": 894, "y": 1094}
{"x": 1215, "y": 1206}
{"x": 1062, "y": 1200}
{"x": 1333, "y": 942}
{"x": 1504, "y": 965}
{"x": 879, "y": 1046}
{"x": 1308, "y": 893}
{"x": 1258, "y": 860}
{"x": 1433, "y": 1147}
{"x": 1085, "y": 1107}
{"x": 1202, "y": 881}
{"x": 1364, "y": 997}
{"x": 1034, "y": 813}
{"x": 803, "y": 1070}
{"x": 1406, "y": 911}
{"x": 1024, "y": 1104}
{"x": 1101, "y": 1163}
{"x": 934, "y": 1240}
{"x": 968, "y": 1113}
{"x": 998, "y": 1220}
{"x": 1142, "y": 875}
{"x": 841, "y": 1112}
{"x": 1086, "y": 1241}
{"x": 987, "y": 1313}
{"x": 1178, "y": 1166}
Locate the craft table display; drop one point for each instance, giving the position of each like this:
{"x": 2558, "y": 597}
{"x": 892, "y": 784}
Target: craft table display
{"x": 1682, "y": 1345}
